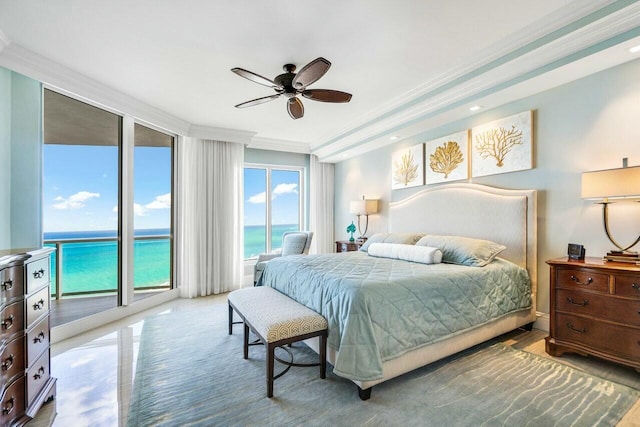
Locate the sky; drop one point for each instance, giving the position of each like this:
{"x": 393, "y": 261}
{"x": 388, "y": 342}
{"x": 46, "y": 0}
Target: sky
{"x": 284, "y": 196}
{"x": 81, "y": 187}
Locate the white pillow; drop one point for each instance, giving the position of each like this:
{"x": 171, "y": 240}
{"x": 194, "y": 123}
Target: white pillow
{"x": 421, "y": 254}
{"x": 463, "y": 250}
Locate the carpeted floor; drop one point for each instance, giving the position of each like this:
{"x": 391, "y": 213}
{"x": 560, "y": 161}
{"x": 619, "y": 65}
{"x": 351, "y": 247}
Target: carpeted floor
{"x": 190, "y": 372}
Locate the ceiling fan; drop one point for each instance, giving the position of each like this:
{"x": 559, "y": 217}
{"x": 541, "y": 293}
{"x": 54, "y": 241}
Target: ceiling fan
{"x": 291, "y": 84}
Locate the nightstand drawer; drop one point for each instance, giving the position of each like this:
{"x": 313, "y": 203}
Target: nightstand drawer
{"x": 583, "y": 279}
{"x": 600, "y": 336}
{"x": 628, "y": 286}
{"x": 602, "y": 306}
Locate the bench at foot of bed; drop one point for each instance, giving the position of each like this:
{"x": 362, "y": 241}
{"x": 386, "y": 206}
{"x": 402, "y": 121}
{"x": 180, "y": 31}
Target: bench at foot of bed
{"x": 277, "y": 320}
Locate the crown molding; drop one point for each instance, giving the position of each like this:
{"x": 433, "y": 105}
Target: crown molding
{"x": 279, "y": 145}
{"x": 4, "y": 41}
{"x": 220, "y": 134}
{"x": 70, "y": 82}
{"x": 462, "y": 85}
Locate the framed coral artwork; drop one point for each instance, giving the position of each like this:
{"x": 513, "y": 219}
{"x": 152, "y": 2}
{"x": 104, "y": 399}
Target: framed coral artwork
{"x": 407, "y": 167}
{"x": 501, "y": 146}
{"x": 447, "y": 158}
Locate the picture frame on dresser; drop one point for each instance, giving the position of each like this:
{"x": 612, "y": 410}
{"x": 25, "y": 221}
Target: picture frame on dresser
{"x": 595, "y": 309}
{"x": 25, "y": 375}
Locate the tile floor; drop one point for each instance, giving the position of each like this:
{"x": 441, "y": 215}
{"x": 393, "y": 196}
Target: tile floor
{"x": 95, "y": 370}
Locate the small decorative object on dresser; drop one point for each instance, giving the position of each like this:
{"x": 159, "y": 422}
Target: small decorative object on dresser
{"x": 595, "y": 309}
{"x": 25, "y": 378}
{"x": 348, "y": 246}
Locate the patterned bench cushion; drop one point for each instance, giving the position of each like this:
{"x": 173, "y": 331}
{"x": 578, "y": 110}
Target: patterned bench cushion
{"x": 275, "y": 316}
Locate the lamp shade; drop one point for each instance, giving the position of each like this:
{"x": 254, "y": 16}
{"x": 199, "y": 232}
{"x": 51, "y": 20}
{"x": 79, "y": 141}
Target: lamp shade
{"x": 363, "y": 207}
{"x": 611, "y": 183}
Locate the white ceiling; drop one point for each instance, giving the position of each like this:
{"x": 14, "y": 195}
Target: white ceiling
{"x": 410, "y": 64}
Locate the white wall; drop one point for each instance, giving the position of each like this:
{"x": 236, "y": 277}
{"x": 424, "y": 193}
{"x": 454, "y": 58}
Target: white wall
{"x": 589, "y": 124}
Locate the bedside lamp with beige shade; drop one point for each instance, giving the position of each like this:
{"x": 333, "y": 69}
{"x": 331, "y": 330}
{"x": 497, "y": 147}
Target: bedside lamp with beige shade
{"x": 613, "y": 184}
{"x": 364, "y": 207}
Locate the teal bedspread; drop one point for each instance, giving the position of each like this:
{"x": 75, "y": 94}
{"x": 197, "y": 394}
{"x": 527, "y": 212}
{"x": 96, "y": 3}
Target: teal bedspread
{"x": 380, "y": 308}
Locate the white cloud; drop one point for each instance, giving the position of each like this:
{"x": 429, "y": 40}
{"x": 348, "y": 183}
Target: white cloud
{"x": 162, "y": 201}
{"x": 138, "y": 209}
{"x": 258, "y": 198}
{"x": 75, "y": 201}
{"x": 285, "y": 189}
{"x": 280, "y": 189}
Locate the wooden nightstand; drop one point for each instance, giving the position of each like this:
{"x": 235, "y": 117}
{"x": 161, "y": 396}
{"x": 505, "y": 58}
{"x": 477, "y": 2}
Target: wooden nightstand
{"x": 595, "y": 309}
{"x": 347, "y": 246}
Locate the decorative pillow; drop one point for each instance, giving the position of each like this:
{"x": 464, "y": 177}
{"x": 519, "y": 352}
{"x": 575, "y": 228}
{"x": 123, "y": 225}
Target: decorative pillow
{"x": 421, "y": 254}
{"x": 463, "y": 250}
{"x": 404, "y": 238}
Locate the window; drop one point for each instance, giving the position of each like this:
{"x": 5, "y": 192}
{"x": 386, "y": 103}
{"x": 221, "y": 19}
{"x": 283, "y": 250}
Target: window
{"x": 273, "y": 204}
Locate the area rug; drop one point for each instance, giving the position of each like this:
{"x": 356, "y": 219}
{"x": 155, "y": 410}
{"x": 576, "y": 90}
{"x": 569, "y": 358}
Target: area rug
{"x": 190, "y": 372}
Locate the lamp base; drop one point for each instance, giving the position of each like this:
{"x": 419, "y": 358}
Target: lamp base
{"x": 629, "y": 257}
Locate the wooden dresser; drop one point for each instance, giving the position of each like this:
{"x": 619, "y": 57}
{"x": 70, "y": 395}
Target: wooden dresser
{"x": 595, "y": 309}
{"x": 25, "y": 376}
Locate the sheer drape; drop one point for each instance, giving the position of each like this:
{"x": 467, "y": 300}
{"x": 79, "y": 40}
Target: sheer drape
{"x": 210, "y": 217}
{"x": 321, "y": 205}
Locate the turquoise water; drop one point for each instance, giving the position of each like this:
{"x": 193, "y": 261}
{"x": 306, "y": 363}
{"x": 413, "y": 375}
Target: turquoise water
{"x": 93, "y": 266}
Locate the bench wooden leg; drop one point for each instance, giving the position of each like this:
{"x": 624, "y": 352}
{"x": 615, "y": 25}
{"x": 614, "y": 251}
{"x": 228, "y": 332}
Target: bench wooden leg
{"x": 323, "y": 355}
{"x": 270, "y": 360}
{"x": 230, "y": 320}
{"x": 246, "y": 341}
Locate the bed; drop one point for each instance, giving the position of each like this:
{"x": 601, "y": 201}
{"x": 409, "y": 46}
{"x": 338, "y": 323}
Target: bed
{"x": 388, "y": 316}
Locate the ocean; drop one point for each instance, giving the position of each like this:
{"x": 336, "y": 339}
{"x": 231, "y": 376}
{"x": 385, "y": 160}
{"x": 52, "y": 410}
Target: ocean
{"x": 93, "y": 266}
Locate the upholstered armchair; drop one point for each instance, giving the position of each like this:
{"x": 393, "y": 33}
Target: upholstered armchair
{"x": 293, "y": 243}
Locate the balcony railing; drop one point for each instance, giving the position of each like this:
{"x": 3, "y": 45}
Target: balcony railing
{"x": 94, "y": 264}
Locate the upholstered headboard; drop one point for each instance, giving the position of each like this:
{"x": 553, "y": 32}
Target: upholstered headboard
{"x": 504, "y": 216}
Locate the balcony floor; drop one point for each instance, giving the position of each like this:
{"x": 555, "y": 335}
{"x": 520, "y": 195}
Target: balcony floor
{"x": 66, "y": 310}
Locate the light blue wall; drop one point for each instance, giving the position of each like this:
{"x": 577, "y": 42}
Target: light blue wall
{"x": 280, "y": 158}
{"x": 21, "y": 161}
{"x": 5, "y": 158}
{"x": 589, "y": 124}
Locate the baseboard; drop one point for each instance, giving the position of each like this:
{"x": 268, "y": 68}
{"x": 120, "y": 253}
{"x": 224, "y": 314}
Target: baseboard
{"x": 542, "y": 322}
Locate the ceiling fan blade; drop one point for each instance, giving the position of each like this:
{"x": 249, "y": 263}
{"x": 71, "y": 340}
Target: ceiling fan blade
{"x": 311, "y": 73}
{"x": 256, "y": 78}
{"x": 295, "y": 108}
{"x": 327, "y": 95}
{"x": 258, "y": 101}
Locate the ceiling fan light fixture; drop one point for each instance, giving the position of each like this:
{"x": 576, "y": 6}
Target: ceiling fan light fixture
{"x": 291, "y": 84}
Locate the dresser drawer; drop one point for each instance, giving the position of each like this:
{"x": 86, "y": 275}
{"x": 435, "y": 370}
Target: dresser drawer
{"x": 37, "y": 340}
{"x": 602, "y": 306}
{"x": 12, "y": 359}
{"x": 37, "y": 305}
{"x": 37, "y": 377}
{"x": 12, "y": 285}
{"x": 12, "y": 402}
{"x": 600, "y": 336}
{"x": 11, "y": 319}
{"x": 37, "y": 274}
{"x": 582, "y": 279}
{"x": 628, "y": 286}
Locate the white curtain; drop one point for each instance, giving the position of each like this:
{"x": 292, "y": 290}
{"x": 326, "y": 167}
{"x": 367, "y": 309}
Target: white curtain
{"x": 210, "y": 217}
{"x": 321, "y": 201}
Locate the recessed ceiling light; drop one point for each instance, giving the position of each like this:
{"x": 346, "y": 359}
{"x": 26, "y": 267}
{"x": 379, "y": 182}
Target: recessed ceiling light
{"x": 475, "y": 107}
{"x": 345, "y": 155}
{"x": 635, "y": 49}
{"x": 394, "y": 137}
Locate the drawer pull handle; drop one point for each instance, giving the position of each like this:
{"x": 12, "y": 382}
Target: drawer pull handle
{"x": 39, "y": 305}
{"x": 6, "y": 410}
{"x": 8, "y": 363}
{"x": 7, "y": 323}
{"x": 579, "y": 304}
{"x": 39, "y": 337}
{"x": 38, "y": 274}
{"x": 580, "y": 331}
{"x": 6, "y": 286}
{"x": 575, "y": 279}
{"x": 635, "y": 286}
{"x": 39, "y": 374}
